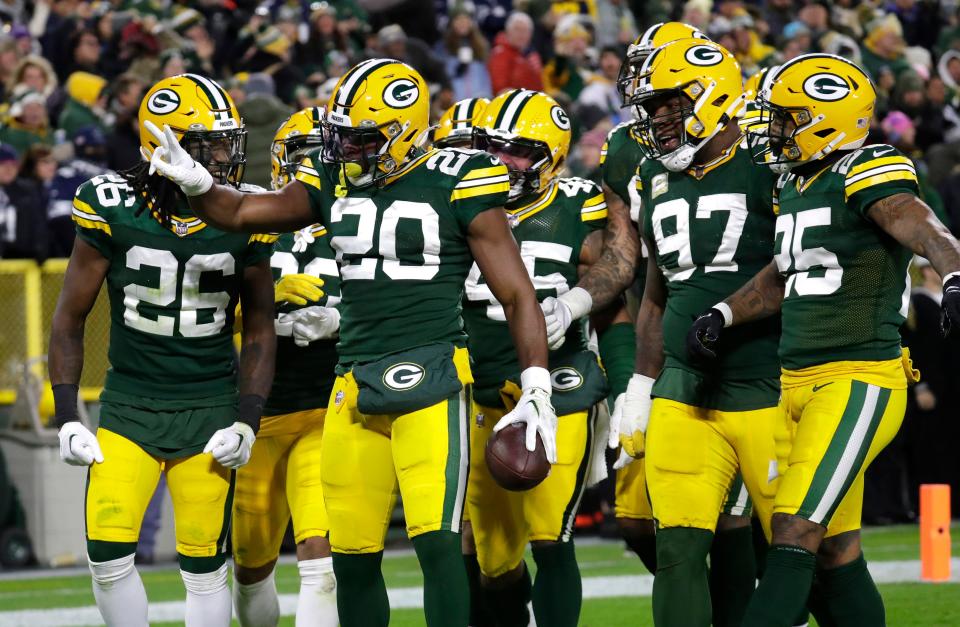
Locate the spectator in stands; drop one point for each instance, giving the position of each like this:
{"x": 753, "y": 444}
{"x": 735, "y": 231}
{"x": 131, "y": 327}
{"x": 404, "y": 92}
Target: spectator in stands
{"x": 123, "y": 141}
{"x": 601, "y": 92}
{"x": 568, "y": 71}
{"x": 23, "y": 233}
{"x": 615, "y": 25}
{"x": 512, "y": 64}
{"x": 9, "y": 59}
{"x": 84, "y": 46}
{"x": 417, "y": 18}
{"x": 35, "y": 73}
{"x": 26, "y": 123}
{"x": 89, "y": 160}
{"x": 325, "y": 37}
{"x": 394, "y": 43}
{"x": 465, "y": 53}
{"x": 85, "y": 102}
{"x": 37, "y": 170}
{"x": 777, "y": 14}
{"x": 262, "y": 114}
{"x": 884, "y": 47}
{"x": 198, "y": 47}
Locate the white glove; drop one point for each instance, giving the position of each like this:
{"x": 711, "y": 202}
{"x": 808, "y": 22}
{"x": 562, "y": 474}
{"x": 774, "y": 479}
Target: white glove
{"x": 534, "y": 410}
{"x": 597, "y": 471}
{"x": 559, "y": 313}
{"x": 284, "y": 324}
{"x": 171, "y": 160}
{"x": 231, "y": 446}
{"x": 78, "y": 447}
{"x": 628, "y": 424}
{"x": 315, "y": 323}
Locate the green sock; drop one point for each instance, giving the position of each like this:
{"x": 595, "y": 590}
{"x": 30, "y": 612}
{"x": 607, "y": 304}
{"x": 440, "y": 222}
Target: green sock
{"x": 645, "y": 546}
{"x": 760, "y": 548}
{"x": 361, "y": 592}
{"x": 446, "y": 593}
{"x": 557, "y": 592}
{"x": 817, "y": 604}
{"x": 732, "y": 575}
{"x": 681, "y": 595}
{"x": 509, "y": 604}
{"x": 850, "y": 597}
{"x": 480, "y": 614}
{"x": 784, "y": 588}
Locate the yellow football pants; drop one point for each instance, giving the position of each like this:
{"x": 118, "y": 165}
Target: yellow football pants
{"x": 694, "y": 454}
{"x": 120, "y": 488}
{"x": 282, "y": 479}
{"x": 504, "y": 521}
{"x": 632, "y": 500}
{"x": 835, "y": 419}
{"x": 366, "y": 458}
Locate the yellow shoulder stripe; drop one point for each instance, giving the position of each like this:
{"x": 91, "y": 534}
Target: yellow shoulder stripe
{"x": 308, "y": 179}
{"x": 877, "y": 179}
{"x": 480, "y": 190}
{"x": 83, "y": 207}
{"x": 263, "y": 238}
{"x": 876, "y": 163}
{"x": 597, "y": 214}
{"x": 479, "y": 173}
{"x": 594, "y": 201}
{"x": 92, "y": 224}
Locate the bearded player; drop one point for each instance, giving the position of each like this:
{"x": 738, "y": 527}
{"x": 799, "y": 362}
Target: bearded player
{"x": 171, "y": 395}
{"x": 708, "y": 224}
{"x": 849, "y": 222}
{"x": 282, "y": 479}
{"x": 406, "y": 225}
{"x": 552, "y": 218}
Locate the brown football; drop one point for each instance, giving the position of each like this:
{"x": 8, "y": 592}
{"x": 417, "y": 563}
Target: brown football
{"x": 512, "y": 466}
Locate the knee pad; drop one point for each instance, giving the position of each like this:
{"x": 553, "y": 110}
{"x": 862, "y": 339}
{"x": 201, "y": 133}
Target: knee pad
{"x": 107, "y": 573}
{"x": 318, "y": 572}
{"x": 205, "y": 583}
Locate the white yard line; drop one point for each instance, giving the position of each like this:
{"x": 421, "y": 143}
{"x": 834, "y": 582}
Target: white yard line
{"x": 593, "y": 588}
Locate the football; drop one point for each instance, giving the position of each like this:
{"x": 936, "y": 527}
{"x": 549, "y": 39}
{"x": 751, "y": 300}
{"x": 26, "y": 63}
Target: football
{"x": 512, "y": 466}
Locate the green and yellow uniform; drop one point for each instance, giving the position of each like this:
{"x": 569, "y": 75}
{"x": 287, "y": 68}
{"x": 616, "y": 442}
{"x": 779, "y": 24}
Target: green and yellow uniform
{"x": 550, "y": 229}
{"x": 711, "y": 229}
{"x": 172, "y": 380}
{"x": 847, "y": 292}
{"x": 399, "y": 407}
{"x": 282, "y": 479}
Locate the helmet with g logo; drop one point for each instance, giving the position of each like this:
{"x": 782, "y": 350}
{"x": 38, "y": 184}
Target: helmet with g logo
{"x": 377, "y": 120}
{"x": 814, "y": 105}
{"x": 526, "y": 124}
{"x": 455, "y": 128}
{"x": 298, "y": 135}
{"x": 203, "y": 117}
{"x": 706, "y": 79}
{"x": 644, "y": 45}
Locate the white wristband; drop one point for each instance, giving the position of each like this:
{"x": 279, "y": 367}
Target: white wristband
{"x": 579, "y": 301}
{"x": 950, "y": 276}
{"x": 726, "y": 312}
{"x": 641, "y": 385}
{"x": 535, "y": 377}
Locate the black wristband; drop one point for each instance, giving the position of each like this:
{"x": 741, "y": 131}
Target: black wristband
{"x": 65, "y": 403}
{"x": 249, "y": 410}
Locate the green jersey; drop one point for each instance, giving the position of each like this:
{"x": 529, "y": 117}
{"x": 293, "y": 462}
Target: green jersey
{"x": 172, "y": 292}
{"x": 549, "y": 231}
{"x": 847, "y": 287}
{"x": 710, "y": 235}
{"x": 620, "y": 159}
{"x": 304, "y": 375}
{"x": 402, "y": 248}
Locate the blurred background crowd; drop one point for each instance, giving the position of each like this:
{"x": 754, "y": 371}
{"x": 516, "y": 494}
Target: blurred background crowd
{"x": 72, "y": 74}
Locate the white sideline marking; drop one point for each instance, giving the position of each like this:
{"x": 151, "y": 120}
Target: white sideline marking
{"x": 412, "y": 598}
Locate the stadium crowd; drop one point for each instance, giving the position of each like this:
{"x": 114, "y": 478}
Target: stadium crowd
{"x": 72, "y": 75}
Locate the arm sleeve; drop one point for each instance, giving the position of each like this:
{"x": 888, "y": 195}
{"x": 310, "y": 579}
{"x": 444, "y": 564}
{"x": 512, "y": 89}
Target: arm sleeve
{"x": 617, "y": 348}
{"x": 876, "y": 173}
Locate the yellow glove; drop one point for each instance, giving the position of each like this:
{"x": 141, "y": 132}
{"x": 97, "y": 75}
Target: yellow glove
{"x": 298, "y": 289}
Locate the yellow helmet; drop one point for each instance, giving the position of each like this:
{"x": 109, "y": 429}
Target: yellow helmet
{"x": 455, "y": 128}
{"x": 296, "y": 136}
{"x": 706, "y": 79}
{"x": 203, "y": 117}
{"x": 641, "y": 48}
{"x": 377, "y": 120}
{"x": 530, "y": 125}
{"x": 814, "y": 105}
{"x": 758, "y": 80}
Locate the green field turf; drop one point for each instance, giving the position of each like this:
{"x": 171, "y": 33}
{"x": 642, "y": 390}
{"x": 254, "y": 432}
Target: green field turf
{"x": 908, "y": 604}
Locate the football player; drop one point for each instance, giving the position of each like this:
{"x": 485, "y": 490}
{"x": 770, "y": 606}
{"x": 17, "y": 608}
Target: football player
{"x": 282, "y": 478}
{"x": 171, "y": 394}
{"x": 849, "y": 222}
{"x": 455, "y": 129}
{"x": 708, "y": 224}
{"x": 406, "y": 225}
{"x": 551, "y": 218}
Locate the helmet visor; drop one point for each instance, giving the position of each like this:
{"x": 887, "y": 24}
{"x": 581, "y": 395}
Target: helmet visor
{"x": 295, "y": 149}
{"x": 525, "y": 159}
{"x": 662, "y": 123}
{"x": 772, "y": 134}
{"x": 222, "y": 153}
{"x": 358, "y": 150}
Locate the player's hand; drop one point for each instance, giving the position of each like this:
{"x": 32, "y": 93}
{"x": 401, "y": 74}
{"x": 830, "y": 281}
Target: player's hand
{"x": 298, "y": 289}
{"x": 315, "y": 323}
{"x": 703, "y": 335}
{"x": 78, "y": 447}
{"x": 950, "y": 318}
{"x": 559, "y": 313}
{"x": 231, "y": 446}
{"x": 171, "y": 160}
{"x": 629, "y": 419}
{"x": 534, "y": 410}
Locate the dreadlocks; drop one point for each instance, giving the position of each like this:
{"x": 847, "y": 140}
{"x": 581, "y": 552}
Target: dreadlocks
{"x": 161, "y": 194}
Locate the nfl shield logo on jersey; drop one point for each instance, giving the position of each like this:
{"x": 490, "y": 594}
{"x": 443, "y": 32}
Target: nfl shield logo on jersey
{"x": 180, "y": 229}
